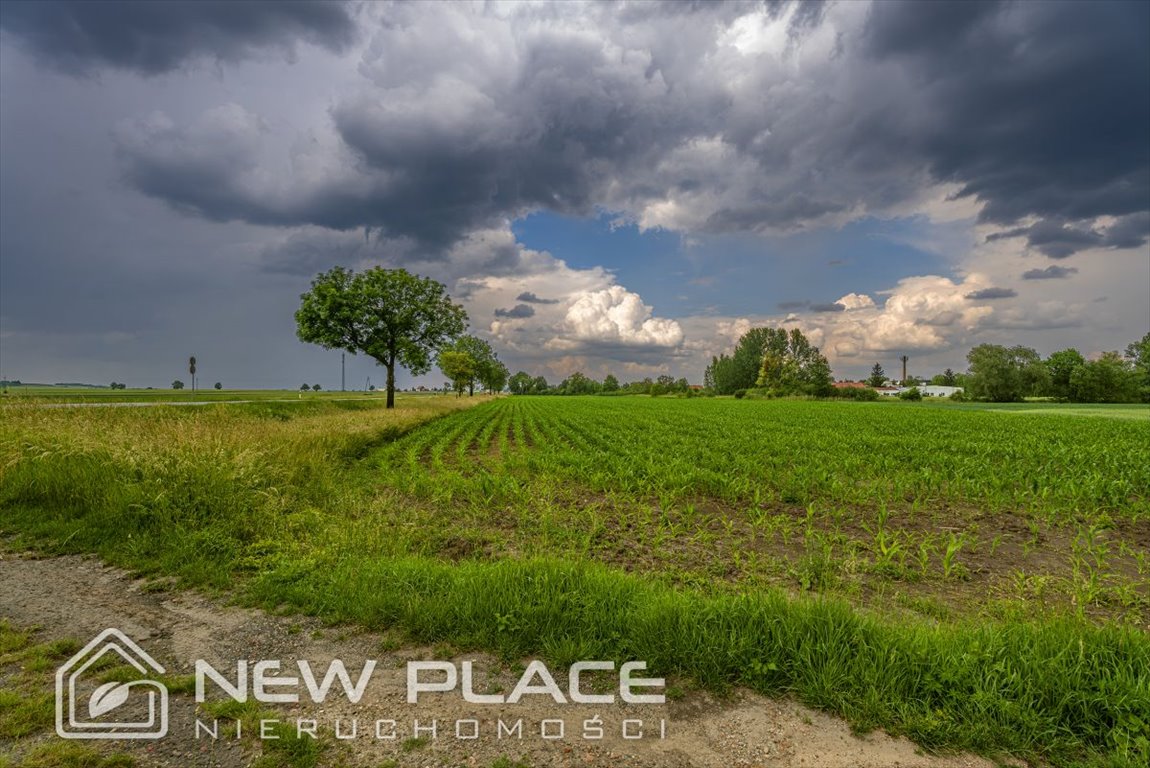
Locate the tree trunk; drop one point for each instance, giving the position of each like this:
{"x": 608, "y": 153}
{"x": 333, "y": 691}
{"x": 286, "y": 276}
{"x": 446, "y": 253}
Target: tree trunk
{"x": 391, "y": 384}
{"x": 471, "y": 388}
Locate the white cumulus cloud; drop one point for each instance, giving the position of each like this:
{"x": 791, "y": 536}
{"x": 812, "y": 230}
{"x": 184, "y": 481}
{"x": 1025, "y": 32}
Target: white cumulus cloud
{"x": 616, "y": 315}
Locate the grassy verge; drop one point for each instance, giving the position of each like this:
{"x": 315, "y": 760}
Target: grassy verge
{"x": 429, "y": 537}
{"x": 201, "y": 494}
{"x": 27, "y": 711}
{"x": 1062, "y": 691}
{"x": 27, "y": 706}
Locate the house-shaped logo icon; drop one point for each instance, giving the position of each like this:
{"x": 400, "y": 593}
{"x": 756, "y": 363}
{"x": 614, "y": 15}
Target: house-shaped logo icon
{"x": 100, "y": 713}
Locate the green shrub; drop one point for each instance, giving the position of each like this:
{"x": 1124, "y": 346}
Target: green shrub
{"x": 854, "y": 393}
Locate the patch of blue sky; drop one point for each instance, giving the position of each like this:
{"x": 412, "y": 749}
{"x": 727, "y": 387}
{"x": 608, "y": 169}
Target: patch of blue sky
{"x": 748, "y": 274}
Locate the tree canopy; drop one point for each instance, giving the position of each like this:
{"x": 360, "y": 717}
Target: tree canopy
{"x": 1138, "y": 353}
{"x": 1005, "y": 374}
{"x": 458, "y": 366}
{"x": 793, "y": 366}
{"x": 485, "y": 367}
{"x": 877, "y": 376}
{"x": 390, "y": 315}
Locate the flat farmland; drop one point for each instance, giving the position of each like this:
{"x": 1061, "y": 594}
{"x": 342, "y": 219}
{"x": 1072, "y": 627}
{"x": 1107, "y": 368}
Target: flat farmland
{"x": 971, "y": 577}
{"x": 876, "y": 501}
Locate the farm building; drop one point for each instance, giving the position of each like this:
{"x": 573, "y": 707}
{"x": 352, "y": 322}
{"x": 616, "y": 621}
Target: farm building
{"x": 927, "y": 390}
{"x": 932, "y": 390}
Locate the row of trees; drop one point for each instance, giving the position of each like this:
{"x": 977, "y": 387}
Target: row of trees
{"x": 470, "y": 360}
{"x": 578, "y": 383}
{"x": 778, "y": 361}
{"x": 1007, "y": 374}
{"x": 177, "y": 384}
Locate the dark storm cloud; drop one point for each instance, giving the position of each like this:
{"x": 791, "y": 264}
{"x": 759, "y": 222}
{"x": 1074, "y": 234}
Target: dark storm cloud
{"x": 154, "y": 37}
{"x": 789, "y": 305}
{"x": 1037, "y": 109}
{"x": 531, "y": 298}
{"x": 773, "y": 213}
{"x": 518, "y": 312}
{"x": 832, "y": 307}
{"x": 1129, "y": 232}
{"x": 992, "y": 293}
{"x": 1053, "y": 272}
{"x": 1059, "y": 240}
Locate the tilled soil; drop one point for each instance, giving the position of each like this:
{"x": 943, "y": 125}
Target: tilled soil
{"x": 77, "y": 597}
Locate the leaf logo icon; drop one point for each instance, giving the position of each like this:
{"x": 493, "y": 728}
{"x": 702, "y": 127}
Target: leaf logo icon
{"x": 107, "y": 697}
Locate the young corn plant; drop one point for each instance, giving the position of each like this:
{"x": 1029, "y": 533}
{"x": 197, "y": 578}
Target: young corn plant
{"x": 951, "y": 568}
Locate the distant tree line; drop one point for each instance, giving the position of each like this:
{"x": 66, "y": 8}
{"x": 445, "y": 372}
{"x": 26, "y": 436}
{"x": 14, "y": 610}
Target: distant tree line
{"x": 1008, "y": 374}
{"x": 578, "y": 383}
{"x": 775, "y": 362}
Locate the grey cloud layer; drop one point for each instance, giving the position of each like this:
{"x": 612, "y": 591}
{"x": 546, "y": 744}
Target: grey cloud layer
{"x": 700, "y": 118}
{"x": 992, "y": 293}
{"x": 1053, "y": 272}
{"x": 1058, "y": 239}
{"x": 154, "y": 37}
{"x": 531, "y": 298}
{"x": 518, "y": 312}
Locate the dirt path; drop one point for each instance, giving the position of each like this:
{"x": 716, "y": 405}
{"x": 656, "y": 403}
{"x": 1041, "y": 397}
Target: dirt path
{"x": 79, "y": 597}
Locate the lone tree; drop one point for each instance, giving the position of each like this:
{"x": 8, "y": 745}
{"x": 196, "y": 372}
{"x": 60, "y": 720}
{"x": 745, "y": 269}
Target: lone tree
{"x": 877, "y": 376}
{"x": 390, "y": 315}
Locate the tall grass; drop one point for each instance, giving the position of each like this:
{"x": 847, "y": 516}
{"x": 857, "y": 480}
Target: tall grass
{"x": 198, "y": 493}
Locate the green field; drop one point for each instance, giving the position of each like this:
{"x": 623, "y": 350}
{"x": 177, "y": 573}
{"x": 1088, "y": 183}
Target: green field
{"x": 89, "y": 395}
{"x": 974, "y": 577}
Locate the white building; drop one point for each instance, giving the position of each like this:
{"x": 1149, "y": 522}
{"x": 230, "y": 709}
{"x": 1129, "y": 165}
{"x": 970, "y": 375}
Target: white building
{"x": 926, "y": 390}
{"x": 931, "y": 390}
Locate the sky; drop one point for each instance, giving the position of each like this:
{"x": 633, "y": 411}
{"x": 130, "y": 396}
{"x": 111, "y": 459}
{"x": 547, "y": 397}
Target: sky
{"x": 615, "y": 188}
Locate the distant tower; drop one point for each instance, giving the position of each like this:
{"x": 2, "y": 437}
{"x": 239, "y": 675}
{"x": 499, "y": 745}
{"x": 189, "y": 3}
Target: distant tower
{"x": 904, "y": 358}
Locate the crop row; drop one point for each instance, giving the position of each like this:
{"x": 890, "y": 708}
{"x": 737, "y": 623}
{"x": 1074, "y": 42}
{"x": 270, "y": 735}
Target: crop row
{"x": 785, "y": 452}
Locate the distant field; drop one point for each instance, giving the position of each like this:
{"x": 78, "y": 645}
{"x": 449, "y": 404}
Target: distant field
{"x": 1117, "y": 411}
{"x": 87, "y": 395}
{"x": 972, "y": 576}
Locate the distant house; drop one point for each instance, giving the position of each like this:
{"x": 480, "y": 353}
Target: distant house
{"x": 888, "y": 391}
{"x": 850, "y": 385}
{"x": 932, "y": 390}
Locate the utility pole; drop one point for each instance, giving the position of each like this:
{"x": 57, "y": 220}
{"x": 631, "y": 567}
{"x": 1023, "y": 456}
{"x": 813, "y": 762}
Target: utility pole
{"x": 342, "y": 374}
{"x": 192, "y": 371}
